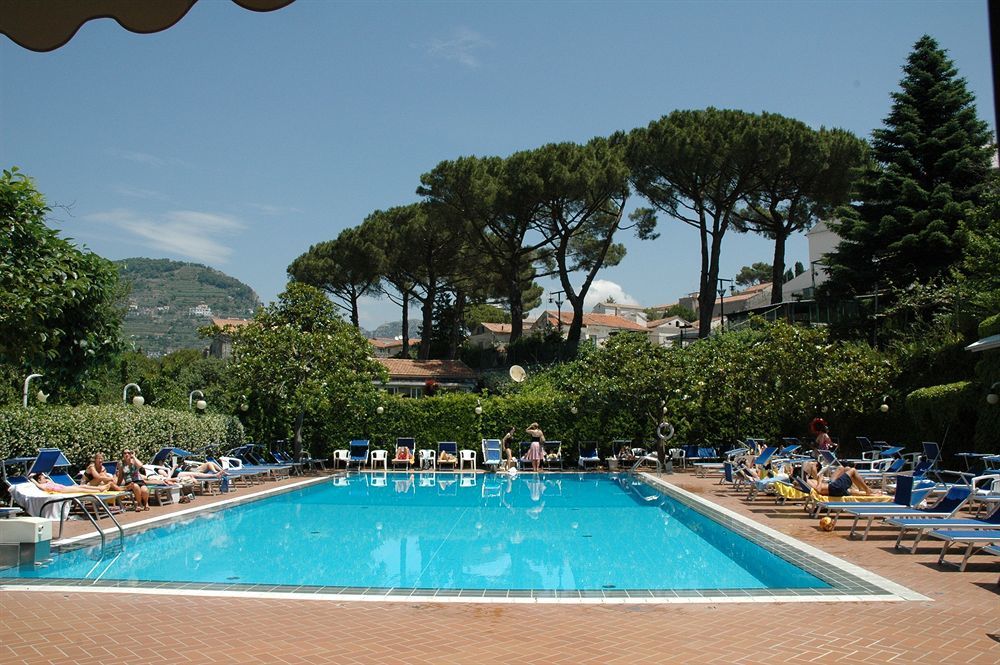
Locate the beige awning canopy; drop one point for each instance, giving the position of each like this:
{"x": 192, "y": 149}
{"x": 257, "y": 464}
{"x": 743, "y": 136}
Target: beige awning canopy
{"x": 45, "y": 25}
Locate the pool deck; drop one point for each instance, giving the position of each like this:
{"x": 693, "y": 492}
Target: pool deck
{"x": 961, "y": 622}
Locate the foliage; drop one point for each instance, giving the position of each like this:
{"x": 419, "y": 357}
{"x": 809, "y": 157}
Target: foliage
{"x": 754, "y": 274}
{"x": 945, "y": 410}
{"x": 931, "y": 166}
{"x": 82, "y": 431}
{"x": 484, "y": 313}
{"x": 299, "y": 364}
{"x": 163, "y": 293}
{"x": 60, "y": 306}
{"x": 347, "y": 268}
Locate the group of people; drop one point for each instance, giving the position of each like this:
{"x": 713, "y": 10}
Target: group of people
{"x": 132, "y": 475}
{"x": 536, "y": 452}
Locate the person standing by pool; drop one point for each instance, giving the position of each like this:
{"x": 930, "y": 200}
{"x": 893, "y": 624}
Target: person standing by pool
{"x": 506, "y": 444}
{"x": 819, "y": 427}
{"x": 535, "y": 453}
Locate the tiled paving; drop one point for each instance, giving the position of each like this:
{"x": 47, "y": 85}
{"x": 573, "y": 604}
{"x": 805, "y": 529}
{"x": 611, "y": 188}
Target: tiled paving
{"x": 954, "y": 626}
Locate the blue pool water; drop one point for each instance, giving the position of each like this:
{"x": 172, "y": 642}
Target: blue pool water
{"x": 450, "y": 531}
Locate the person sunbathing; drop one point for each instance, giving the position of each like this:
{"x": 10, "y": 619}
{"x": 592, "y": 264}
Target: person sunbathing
{"x": 446, "y": 457}
{"x": 42, "y": 481}
{"x": 206, "y": 467}
{"x": 96, "y": 475}
{"x": 625, "y": 453}
{"x": 404, "y": 454}
{"x": 845, "y": 481}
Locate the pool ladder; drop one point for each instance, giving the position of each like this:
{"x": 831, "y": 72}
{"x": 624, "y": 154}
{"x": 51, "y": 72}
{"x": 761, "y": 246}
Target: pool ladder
{"x": 99, "y": 507}
{"x": 668, "y": 467}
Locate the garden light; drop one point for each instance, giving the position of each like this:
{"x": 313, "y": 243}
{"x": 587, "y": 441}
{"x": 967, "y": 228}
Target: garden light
{"x": 885, "y": 405}
{"x": 200, "y": 404}
{"x": 993, "y": 398}
{"x": 574, "y": 410}
{"x": 138, "y": 400}
{"x": 380, "y": 410}
{"x": 41, "y": 397}
{"x": 26, "y": 382}
{"x": 243, "y": 403}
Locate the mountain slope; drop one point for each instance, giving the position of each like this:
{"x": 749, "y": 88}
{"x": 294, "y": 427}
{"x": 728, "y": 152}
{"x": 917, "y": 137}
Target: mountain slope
{"x": 170, "y": 300}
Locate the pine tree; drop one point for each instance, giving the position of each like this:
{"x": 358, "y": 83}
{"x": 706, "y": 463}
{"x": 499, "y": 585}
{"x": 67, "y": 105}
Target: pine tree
{"x": 930, "y": 166}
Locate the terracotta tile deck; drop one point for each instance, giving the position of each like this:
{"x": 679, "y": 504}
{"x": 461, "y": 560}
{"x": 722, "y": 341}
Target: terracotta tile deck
{"x": 960, "y": 624}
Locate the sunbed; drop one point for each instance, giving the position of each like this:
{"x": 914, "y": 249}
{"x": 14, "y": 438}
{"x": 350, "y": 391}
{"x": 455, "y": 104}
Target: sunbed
{"x": 946, "y": 506}
{"x": 816, "y": 502}
{"x": 451, "y": 449}
{"x": 972, "y": 539}
{"x": 588, "y": 455}
{"x": 920, "y": 526}
{"x": 410, "y": 444}
{"x": 492, "y": 455}
{"x": 358, "y": 453}
{"x": 552, "y": 451}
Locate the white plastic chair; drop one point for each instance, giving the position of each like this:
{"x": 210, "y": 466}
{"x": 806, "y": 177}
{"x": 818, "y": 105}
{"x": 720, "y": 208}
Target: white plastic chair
{"x": 380, "y": 457}
{"x": 466, "y": 456}
{"x": 427, "y": 457}
{"x": 341, "y": 456}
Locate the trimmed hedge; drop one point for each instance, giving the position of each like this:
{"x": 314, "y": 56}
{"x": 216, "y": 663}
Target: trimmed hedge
{"x": 81, "y": 431}
{"x": 947, "y": 409}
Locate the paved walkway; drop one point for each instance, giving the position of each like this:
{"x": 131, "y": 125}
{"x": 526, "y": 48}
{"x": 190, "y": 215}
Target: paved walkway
{"x": 960, "y": 624}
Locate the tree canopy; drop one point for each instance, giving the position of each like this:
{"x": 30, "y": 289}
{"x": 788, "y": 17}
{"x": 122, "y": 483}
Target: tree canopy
{"x": 930, "y": 170}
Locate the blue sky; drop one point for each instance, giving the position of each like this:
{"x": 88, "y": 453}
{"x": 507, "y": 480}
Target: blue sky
{"x": 237, "y": 139}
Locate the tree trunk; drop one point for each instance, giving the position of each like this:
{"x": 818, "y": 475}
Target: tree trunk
{"x": 516, "y": 310}
{"x": 406, "y": 324}
{"x": 575, "y": 326}
{"x": 354, "y": 309}
{"x": 297, "y": 438}
{"x": 706, "y": 297}
{"x": 706, "y": 289}
{"x": 427, "y": 311}
{"x": 456, "y": 324}
{"x": 778, "y": 270}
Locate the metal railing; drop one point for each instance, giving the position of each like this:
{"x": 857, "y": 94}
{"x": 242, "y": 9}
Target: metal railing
{"x": 80, "y": 502}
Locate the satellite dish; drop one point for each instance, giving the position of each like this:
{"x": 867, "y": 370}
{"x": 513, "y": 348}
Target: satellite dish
{"x": 517, "y": 373}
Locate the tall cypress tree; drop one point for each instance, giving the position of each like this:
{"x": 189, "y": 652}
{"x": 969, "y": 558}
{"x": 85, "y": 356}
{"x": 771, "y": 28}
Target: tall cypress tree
{"x": 930, "y": 165}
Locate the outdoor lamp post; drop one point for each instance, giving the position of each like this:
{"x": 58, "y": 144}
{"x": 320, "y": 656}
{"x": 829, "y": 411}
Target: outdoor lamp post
{"x": 479, "y": 407}
{"x": 556, "y": 297}
{"x": 201, "y": 403}
{"x": 138, "y": 400}
{"x": 722, "y": 300}
{"x": 26, "y": 382}
{"x": 884, "y": 408}
{"x": 244, "y": 406}
{"x": 993, "y": 398}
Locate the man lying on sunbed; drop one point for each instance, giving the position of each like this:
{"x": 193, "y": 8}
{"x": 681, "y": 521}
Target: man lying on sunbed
{"x": 845, "y": 481}
{"x": 43, "y": 482}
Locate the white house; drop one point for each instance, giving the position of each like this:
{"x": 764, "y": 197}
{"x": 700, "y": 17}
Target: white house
{"x": 597, "y": 328}
{"x": 822, "y": 241}
{"x": 635, "y": 313}
{"x": 490, "y": 335}
{"x": 388, "y": 347}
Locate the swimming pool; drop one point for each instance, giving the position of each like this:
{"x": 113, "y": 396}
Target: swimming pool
{"x": 585, "y": 535}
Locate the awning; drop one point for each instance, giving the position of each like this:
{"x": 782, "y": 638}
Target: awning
{"x": 47, "y": 25}
{"x": 985, "y": 344}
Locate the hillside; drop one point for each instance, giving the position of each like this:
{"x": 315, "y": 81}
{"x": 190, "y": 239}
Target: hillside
{"x": 170, "y": 300}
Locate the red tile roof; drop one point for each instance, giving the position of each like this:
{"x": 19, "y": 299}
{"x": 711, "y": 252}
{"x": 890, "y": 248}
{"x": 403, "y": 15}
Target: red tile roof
{"x": 502, "y": 328}
{"x": 234, "y": 323}
{"x": 400, "y": 368}
{"x": 387, "y": 343}
{"x": 592, "y": 319}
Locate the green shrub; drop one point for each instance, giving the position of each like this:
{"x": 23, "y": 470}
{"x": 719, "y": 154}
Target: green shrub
{"x": 947, "y": 410}
{"x": 82, "y": 431}
{"x": 990, "y": 326}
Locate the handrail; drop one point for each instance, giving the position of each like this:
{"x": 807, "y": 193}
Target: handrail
{"x": 78, "y": 501}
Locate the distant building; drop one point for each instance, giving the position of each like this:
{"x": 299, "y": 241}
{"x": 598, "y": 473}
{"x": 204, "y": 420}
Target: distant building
{"x": 635, "y": 313}
{"x": 222, "y": 344}
{"x": 822, "y": 241}
{"x": 409, "y": 377}
{"x": 200, "y": 310}
{"x": 597, "y": 328}
{"x": 384, "y": 347}
{"x": 672, "y": 330}
{"x": 490, "y": 336}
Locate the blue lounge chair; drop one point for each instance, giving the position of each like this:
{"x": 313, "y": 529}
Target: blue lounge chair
{"x": 552, "y": 451}
{"x": 908, "y": 493}
{"x": 410, "y": 444}
{"x": 358, "y": 453}
{"x": 492, "y": 453}
{"x": 450, "y": 447}
{"x": 588, "y": 455}
{"x": 973, "y": 540}
{"x": 920, "y": 526}
{"x": 946, "y": 506}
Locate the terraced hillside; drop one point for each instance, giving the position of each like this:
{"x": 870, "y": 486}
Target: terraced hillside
{"x": 170, "y": 300}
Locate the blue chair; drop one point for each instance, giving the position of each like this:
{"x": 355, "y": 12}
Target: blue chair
{"x": 588, "y": 455}
{"x": 358, "y": 453}
{"x": 552, "y": 451}
{"x": 410, "y": 444}
{"x": 946, "y": 506}
{"x": 979, "y": 539}
{"x": 451, "y": 448}
{"x": 922, "y": 525}
{"x": 492, "y": 453}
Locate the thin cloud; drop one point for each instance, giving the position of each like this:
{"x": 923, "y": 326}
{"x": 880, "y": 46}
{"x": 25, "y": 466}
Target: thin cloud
{"x": 460, "y": 48}
{"x": 197, "y": 235}
{"x": 273, "y": 210}
{"x": 137, "y": 157}
{"x": 602, "y": 289}
{"x": 139, "y": 193}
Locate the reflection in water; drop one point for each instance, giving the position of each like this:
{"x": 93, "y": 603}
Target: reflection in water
{"x": 448, "y": 530}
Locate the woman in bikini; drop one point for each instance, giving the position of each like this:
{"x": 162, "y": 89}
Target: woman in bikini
{"x": 96, "y": 475}
{"x": 131, "y": 479}
{"x": 42, "y": 481}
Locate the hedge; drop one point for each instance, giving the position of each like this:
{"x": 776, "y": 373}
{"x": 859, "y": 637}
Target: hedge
{"x": 947, "y": 410}
{"x": 988, "y": 374}
{"x": 82, "y": 431}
